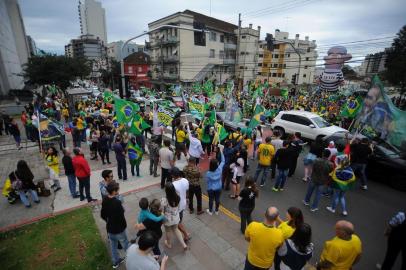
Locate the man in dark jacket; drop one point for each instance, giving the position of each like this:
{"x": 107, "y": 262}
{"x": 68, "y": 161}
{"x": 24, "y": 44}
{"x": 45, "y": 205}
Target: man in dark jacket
{"x": 296, "y": 147}
{"x": 120, "y": 157}
{"x": 322, "y": 167}
{"x": 113, "y": 213}
{"x": 69, "y": 172}
{"x": 283, "y": 159}
{"x": 359, "y": 159}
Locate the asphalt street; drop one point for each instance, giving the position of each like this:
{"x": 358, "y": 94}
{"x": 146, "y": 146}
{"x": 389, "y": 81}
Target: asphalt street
{"x": 368, "y": 210}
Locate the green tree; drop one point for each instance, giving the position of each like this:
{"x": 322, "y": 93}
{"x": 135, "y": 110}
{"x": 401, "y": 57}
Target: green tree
{"x": 53, "y": 69}
{"x": 111, "y": 77}
{"x": 396, "y": 61}
{"x": 349, "y": 73}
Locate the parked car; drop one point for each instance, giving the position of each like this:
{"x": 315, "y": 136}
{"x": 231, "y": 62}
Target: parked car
{"x": 386, "y": 164}
{"x": 310, "y": 125}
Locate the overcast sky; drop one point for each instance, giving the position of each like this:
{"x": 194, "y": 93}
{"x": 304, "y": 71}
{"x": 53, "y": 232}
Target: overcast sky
{"x": 52, "y": 23}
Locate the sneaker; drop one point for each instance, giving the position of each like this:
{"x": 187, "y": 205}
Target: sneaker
{"x": 208, "y": 212}
{"x": 304, "y": 179}
{"x": 216, "y": 212}
{"x": 345, "y": 213}
{"x": 261, "y": 185}
{"x": 365, "y": 187}
{"x": 314, "y": 209}
{"x": 329, "y": 208}
{"x": 275, "y": 189}
{"x": 378, "y": 266}
{"x": 120, "y": 261}
{"x": 305, "y": 203}
{"x": 281, "y": 189}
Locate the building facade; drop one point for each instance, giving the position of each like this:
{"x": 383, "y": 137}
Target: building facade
{"x": 114, "y": 49}
{"x": 87, "y": 46}
{"x": 373, "y": 64}
{"x": 14, "y": 49}
{"x": 183, "y": 56}
{"x": 32, "y": 46}
{"x": 282, "y": 65}
{"x": 247, "y": 53}
{"x": 92, "y": 18}
{"x": 136, "y": 68}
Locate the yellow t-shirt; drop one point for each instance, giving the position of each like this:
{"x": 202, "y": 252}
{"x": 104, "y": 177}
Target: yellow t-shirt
{"x": 53, "y": 163}
{"x": 287, "y": 230}
{"x": 234, "y": 136}
{"x": 247, "y": 142}
{"x": 199, "y": 132}
{"x": 266, "y": 153}
{"x": 180, "y": 136}
{"x": 264, "y": 242}
{"x": 65, "y": 112}
{"x": 341, "y": 253}
{"x": 80, "y": 124}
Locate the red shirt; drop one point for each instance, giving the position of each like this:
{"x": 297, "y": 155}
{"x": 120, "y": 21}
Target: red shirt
{"x": 24, "y": 119}
{"x": 81, "y": 166}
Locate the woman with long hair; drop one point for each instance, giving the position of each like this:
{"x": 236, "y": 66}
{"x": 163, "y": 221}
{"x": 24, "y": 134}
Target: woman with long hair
{"x": 296, "y": 251}
{"x": 213, "y": 179}
{"x": 170, "y": 209}
{"x": 22, "y": 182}
{"x": 52, "y": 160}
{"x": 294, "y": 219}
{"x": 247, "y": 198}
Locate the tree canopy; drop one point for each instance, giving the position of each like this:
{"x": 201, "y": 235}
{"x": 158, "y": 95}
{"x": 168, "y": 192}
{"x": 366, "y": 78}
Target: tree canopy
{"x": 53, "y": 69}
{"x": 396, "y": 61}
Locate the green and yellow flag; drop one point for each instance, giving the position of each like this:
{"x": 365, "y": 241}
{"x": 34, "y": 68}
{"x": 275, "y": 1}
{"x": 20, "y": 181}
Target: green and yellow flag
{"x": 125, "y": 110}
{"x": 138, "y": 125}
{"x": 352, "y": 107}
{"x": 134, "y": 153}
{"x": 256, "y": 119}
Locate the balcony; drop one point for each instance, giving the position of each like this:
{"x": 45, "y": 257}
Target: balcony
{"x": 230, "y": 46}
{"x": 171, "y": 59}
{"x": 170, "y": 76}
{"x": 170, "y": 40}
{"x": 229, "y": 61}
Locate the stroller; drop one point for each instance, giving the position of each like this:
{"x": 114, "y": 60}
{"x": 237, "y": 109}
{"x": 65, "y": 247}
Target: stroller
{"x": 8, "y": 192}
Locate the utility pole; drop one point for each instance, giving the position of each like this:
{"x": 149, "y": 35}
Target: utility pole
{"x": 238, "y": 48}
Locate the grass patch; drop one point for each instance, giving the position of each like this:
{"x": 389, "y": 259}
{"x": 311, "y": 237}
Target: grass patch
{"x": 68, "y": 241}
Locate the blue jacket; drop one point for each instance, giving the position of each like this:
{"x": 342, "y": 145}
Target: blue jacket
{"x": 229, "y": 152}
{"x": 213, "y": 179}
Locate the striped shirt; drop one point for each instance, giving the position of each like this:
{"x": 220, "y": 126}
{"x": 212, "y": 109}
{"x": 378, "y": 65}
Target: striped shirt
{"x": 330, "y": 79}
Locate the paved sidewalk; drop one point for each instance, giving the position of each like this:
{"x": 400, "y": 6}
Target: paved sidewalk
{"x": 216, "y": 243}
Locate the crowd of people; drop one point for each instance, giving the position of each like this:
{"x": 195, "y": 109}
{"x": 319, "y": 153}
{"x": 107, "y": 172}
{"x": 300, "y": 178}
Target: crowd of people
{"x": 329, "y": 170}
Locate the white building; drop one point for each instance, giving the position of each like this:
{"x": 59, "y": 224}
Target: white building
{"x": 373, "y": 64}
{"x": 14, "y": 49}
{"x": 283, "y": 64}
{"x": 92, "y": 18}
{"x": 247, "y": 53}
{"x": 182, "y": 56}
{"x": 87, "y": 46}
{"x": 114, "y": 49}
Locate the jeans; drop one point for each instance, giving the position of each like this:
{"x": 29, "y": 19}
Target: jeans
{"x": 165, "y": 177}
{"x": 84, "y": 183}
{"x": 214, "y": 195}
{"x": 24, "y": 199}
{"x": 114, "y": 239}
{"x": 310, "y": 189}
{"x": 122, "y": 168}
{"x": 396, "y": 245}
{"x": 104, "y": 154}
{"x": 249, "y": 266}
{"x": 359, "y": 171}
{"x": 338, "y": 197}
{"x": 153, "y": 166}
{"x": 256, "y": 144}
{"x": 246, "y": 218}
{"x": 281, "y": 179}
{"x": 137, "y": 168}
{"x": 72, "y": 184}
{"x": 265, "y": 170}
{"x": 195, "y": 191}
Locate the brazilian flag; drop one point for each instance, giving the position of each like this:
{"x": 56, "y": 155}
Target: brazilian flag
{"x": 134, "y": 153}
{"x": 256, "y": 119}
{"x": 125, "y": 110}
{"x": 107, "y": 97}
{"x": 352, "y": 107}
{"x": 138, "y": 125}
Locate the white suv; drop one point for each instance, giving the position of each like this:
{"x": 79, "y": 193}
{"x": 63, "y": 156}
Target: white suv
{"x": 310, "y": 125}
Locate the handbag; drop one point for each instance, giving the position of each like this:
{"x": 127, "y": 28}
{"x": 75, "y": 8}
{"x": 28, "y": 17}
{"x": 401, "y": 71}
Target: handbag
{"x": 17, "y": 184}
{"x": 42, "y": 190}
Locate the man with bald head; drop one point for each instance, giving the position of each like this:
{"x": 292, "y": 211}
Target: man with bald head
{"x": 264, "y": 240}
{"x": 343, "y": 251}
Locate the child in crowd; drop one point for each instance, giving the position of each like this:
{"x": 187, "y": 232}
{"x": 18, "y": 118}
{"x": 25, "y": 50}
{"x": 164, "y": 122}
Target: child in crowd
{"x": 145, "y": 213}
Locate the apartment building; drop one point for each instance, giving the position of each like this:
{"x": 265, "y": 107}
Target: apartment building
{"x": 282, "y": 64}
{"x": 114, "y": 49}
{"x": 183, "y": 56}
{"x": 92, "y": 18}
{"x": 373, "y": 64}
{"x": 87, "y": 46}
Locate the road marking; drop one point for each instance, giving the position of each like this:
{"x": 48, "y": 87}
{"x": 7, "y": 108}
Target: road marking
{"x": 225, "y": 211}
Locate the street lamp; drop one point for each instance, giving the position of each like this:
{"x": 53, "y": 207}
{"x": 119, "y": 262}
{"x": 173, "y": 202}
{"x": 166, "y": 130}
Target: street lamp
{"x": 166, "y": 26}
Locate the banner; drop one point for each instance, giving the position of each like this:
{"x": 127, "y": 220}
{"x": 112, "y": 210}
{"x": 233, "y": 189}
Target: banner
{"x": 380, "y": 119}
{"x": 233, "y": 112}
{"x": 165, "y": 116}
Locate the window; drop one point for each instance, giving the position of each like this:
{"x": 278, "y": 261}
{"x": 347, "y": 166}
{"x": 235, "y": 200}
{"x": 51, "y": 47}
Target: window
{"x": 283, "y": 75}
{"x": 304, "y": 75}
{"x": 288, "y": 54}
{"x": 213, "y": 36}
{"x": 280, "y": 65}
{"x": 320, "y": 122}
{"x": 273, "y": 74}
{"x": 259, "y": 73}
{"x": 275, "y": 65}
{"x": 307, "y": 58}
{"x": 221, "y": 54}
{"x": 199, "y": 37}
{"x": 260, "y": 64}
{"x": 260, "y": 46}
{"x": 243, "y": 37}
{"x": 242, "y": 53}
{"x": 265, "y": 65}
{"x": 212, "y": 53}
{"x": 139, "y": 69}
{"x": 222, "y": 38}
{"x": 279, "y": 75}
{"x": 241, "y": 67}
{"x": 130, "y": 69}
{"x": 276, "y": 55}
{"x": 305, "y": 67}
{"x": 284, "y": 65}
{"x": 260, "y": 55}
{"x": 308, "y": 49}
{"x": 296, "y": 119}
{"x": 276, "y": 46}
